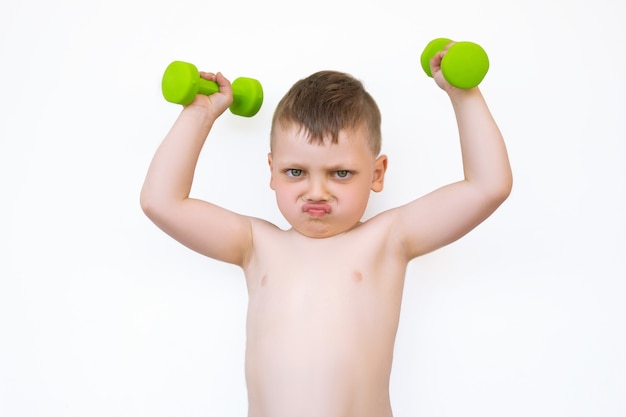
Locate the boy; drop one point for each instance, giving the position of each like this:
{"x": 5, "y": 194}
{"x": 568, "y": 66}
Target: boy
{"x": 324, "y": 296}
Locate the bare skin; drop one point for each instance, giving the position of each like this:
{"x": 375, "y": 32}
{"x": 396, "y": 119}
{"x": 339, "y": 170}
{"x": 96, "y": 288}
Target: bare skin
{"x": 325, "y": 295}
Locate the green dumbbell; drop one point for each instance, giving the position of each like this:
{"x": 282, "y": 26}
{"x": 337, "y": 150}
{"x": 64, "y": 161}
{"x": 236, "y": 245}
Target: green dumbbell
{"x": 182, "y": 82}
{"x": 464, "y": 65}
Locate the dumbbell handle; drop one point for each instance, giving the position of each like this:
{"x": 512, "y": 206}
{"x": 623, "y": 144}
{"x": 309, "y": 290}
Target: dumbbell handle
{"x": 208, "y": 87}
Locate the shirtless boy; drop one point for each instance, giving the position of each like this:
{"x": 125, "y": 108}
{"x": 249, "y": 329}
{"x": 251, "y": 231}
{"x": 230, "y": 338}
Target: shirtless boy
{"x": 324, "y": 295}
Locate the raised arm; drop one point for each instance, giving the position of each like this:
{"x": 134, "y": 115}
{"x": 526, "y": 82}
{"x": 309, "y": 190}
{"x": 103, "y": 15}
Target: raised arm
{"x": 199, "y": 225}
{"x": 450, "y": 212}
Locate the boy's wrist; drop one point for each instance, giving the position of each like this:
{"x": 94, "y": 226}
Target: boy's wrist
{"x": 204, "y": 116}
{"x": 458, "y": 94}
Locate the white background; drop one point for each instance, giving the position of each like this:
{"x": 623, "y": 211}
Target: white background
{"x": 102, "y": 314}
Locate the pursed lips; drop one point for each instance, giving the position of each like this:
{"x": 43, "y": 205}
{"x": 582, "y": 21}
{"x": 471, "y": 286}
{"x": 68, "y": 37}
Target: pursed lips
{"x": 316, "y": 209}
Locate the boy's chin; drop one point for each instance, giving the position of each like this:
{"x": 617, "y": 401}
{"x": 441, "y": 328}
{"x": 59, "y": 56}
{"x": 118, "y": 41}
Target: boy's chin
{"x": 323, "y": 232}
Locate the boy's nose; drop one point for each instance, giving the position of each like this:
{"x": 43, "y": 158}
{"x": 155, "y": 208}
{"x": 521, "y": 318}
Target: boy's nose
{"x": 317, "y": 191}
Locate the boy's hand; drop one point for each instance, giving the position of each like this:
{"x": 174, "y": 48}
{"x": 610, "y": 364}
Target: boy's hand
{"x": 435, "y": 68}
{"x": 218, "y": 102}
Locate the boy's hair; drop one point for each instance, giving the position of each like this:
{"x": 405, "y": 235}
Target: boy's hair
{"x": 325, "y": 103}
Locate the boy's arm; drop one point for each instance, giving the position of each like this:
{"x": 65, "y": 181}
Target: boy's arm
{"x": 199, "y": 225}
{"x": 450, "y": 212}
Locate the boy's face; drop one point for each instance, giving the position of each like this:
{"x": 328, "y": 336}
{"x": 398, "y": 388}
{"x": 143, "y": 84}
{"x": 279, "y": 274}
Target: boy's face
{"x": 323, "y": 189}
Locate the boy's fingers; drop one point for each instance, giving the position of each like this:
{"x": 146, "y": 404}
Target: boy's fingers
{"x": 221, "y": 80}
{"x": 207, "y": 75}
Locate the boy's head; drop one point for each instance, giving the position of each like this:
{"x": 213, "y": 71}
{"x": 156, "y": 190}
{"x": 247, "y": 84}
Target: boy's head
{"x": 324, "y": 159}
{"x": 325, "y": 103}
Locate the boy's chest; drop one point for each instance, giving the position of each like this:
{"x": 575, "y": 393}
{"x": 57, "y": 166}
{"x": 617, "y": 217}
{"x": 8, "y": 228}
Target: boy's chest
{"x": 322, "y": 291}
{"x": 316, "y": 260}
{"x": 324, "y": 269}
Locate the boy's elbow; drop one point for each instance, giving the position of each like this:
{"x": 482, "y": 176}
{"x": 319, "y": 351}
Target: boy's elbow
{"x": 148, "y": 204}
{"x": 506, "y": 192}
{"x": 158, "y": 206}
{"x": 507, "y": 185}
{"x": 500, "y": 190}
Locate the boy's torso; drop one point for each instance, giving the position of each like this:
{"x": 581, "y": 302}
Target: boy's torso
{"x": 322, "y": 320}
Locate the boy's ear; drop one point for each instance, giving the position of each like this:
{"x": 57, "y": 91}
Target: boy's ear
{"x": 378, "y": 179}
{"x": 271, "y": 164}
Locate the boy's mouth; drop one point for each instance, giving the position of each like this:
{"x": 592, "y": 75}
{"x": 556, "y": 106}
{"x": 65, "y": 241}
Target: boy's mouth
{"x": 316, "y": 209}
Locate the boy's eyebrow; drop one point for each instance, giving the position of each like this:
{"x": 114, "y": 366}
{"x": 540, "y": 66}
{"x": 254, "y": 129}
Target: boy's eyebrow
{"x": 290, "y": 164}
{"x": 342, "y": 167}
{"x": 304, "y": 166}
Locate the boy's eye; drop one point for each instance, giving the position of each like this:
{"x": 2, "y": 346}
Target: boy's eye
{"x": 293, "y": 172}
{"x": 342, "y": 173}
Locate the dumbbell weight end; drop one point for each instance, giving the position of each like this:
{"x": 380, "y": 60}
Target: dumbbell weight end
{"x": 433, "y": 47}
{"x": 182, "y": 82}
{"x": 247, "y": 97}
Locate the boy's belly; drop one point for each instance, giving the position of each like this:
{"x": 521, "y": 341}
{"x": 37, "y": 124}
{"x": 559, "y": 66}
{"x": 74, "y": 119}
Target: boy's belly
{"x": 305, "y": 383}
{"x": 320, "y": 351}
